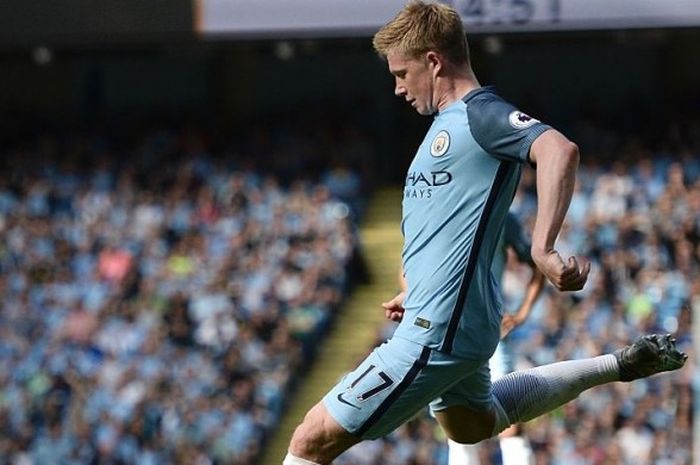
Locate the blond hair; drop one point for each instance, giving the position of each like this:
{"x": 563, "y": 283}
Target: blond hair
{"x": 420, "y": 27}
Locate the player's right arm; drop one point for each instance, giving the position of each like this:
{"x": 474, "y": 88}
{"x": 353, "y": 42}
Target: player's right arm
{"x": 556, "y": 159}
{"x": 509, "y": 134}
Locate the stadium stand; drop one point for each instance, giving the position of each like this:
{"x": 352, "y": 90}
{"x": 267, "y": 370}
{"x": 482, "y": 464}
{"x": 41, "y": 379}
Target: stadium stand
{"x": 159, "y": 299}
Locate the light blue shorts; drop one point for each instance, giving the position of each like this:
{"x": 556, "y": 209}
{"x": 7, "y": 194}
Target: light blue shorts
{"x": 397, "y": 380}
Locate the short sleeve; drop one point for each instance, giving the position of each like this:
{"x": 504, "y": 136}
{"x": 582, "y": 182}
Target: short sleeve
{"x": 500, "y": 129}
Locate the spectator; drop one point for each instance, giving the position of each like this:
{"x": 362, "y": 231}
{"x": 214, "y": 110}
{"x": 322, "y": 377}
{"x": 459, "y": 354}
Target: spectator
{"x": 155, "y": 307}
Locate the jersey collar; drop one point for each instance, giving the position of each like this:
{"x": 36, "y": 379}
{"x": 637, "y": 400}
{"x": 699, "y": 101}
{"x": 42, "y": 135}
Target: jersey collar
{"x": 475, "y": 92}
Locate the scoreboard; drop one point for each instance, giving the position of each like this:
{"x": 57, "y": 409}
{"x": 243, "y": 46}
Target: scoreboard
{"x": 52, "y": 21}
{"x": 362, "y": 17}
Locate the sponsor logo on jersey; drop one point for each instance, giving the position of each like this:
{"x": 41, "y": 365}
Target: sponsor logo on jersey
{"x": 420, "y": 185}
{"x": 520, "y": 120}
{"x": 440, "y": 144}
{"x": 432, "y": 178}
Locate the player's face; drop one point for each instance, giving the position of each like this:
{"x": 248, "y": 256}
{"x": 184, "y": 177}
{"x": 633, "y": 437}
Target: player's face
{"x": 414, "y": 81}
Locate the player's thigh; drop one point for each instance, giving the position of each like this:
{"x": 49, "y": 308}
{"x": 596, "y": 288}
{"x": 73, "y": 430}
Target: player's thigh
{"x": 465, "y": 411}
{"x": 394, "y": 382}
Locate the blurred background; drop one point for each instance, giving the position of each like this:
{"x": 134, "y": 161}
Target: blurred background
{"x": 200, "y": 206}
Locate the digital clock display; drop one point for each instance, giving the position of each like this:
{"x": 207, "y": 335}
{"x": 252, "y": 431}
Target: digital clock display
{"x": 514, "y": 12}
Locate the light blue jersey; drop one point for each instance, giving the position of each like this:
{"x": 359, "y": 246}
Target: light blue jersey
{"x": 457, "y": 194}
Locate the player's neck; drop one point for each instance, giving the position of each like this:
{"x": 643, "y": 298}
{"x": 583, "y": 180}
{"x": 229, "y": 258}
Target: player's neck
{"x": 456, "y": 87}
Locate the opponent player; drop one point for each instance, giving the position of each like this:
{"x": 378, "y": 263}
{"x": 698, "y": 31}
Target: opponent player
{"x": 458, "y": 190}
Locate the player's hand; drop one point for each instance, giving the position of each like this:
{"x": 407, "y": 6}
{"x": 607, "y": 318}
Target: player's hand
{"x": 509, "y": 323}
{"x": 566, "y": 276}
{"x": 393, "y": 309}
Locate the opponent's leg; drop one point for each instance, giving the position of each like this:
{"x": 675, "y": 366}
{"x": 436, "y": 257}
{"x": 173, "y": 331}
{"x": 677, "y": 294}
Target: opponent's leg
{"x": 515, "y": 448}
{"x": 462, "y": 454}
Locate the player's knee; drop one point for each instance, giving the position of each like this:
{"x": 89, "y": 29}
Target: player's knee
{"x": 307, "y": 435}
{"x": 468, "y": 431}
{"x": 301, "y": 444}
{"x": 469, "y": 436}
{"x": 319, "y": 438}
{"x": 465, "y": 425}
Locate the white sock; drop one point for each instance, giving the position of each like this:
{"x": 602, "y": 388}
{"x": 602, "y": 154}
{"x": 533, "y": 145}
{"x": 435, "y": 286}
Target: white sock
{"x": 515, "y": 450}
{"x": 462, "y": 454}
{"x": 524, "y": 395}
{"x": 292, "y": 460}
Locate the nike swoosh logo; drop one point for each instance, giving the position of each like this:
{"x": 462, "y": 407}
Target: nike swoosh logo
{"x": 343, "y": 401}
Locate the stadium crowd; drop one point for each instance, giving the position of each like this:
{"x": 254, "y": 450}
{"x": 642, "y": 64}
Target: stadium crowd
{"x": 161, "y": 293}
{"x": 638, "y": 219}
{"x": 158, "y": 299}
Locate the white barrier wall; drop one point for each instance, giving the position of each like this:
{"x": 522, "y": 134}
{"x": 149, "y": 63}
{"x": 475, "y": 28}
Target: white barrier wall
{"x": 361, "y": 17}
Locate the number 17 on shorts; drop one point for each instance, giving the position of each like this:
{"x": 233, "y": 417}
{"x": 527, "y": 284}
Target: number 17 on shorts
{"x": 371, "y": 401}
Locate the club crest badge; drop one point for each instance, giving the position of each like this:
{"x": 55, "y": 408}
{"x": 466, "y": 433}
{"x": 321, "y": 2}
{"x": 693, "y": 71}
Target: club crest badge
{"x": 440, "y": 144}
{"x": 520, "y": 120}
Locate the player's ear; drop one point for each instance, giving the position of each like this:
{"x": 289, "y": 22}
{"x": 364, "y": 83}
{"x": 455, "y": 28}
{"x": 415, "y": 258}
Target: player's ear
{"x": 434, "y": 60}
